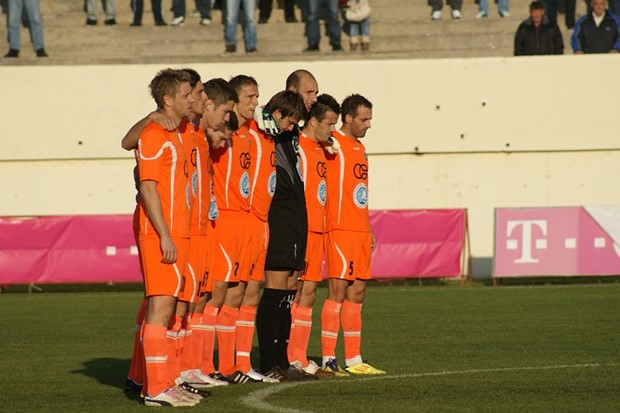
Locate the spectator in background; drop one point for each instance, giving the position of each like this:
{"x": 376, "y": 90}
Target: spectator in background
{"x": 92, "y": 12}
{"x": 552, "y": 8}
{"x": 249, "y": 25}
{"x": 437, "y": 5}
{"x": 15, "y": 12}
{"x": 536, "y": 35}
{"x": 597, "y": 32}
{"x": 265, "y": 7}
{"x": 357, "y": 23}
{"x": 483, "y": 7}
{"x": 313, "y": 32}
{"x": 138, "y": 8}
{"x": 203, "y": 8}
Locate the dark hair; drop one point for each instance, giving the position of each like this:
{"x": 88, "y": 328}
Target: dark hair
{"x": 194, "y": 77}
{"x": 351, "y": 103}
{"x": 167, "y": 82}
{"x": 240, "y": 81}
{"x": 537, "y": 5}
{"x": 289, "y": 103}
{"x": 220, "y": 91}
{"x": 233, "y": 122}
{"x": 324, "y": 103}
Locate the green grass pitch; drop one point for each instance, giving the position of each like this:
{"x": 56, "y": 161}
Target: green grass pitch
{"x": 446, "y": 349}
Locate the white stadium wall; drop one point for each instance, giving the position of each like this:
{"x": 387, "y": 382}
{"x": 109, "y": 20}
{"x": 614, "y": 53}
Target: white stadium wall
{"x": 448, "y": 133}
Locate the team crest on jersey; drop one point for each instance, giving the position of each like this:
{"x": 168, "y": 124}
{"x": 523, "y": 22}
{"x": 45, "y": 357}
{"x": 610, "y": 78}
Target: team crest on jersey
{"x": 244, "y": 185}
{"x": 188, "y": 196}
{"x": 194, "y": 183}
{"x": 360, "y": 195}
{"x": 271, "y": 184}
{"x": 213, "y": 211}
{"x": 321, "y": 193}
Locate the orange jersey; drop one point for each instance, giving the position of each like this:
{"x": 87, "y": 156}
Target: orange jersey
{"x": 162, "y": 158}
{"x": 231, "y": 172}
{"x": 314, "y": 174}
{"x": 201, "y": 185}
{"x": 347, "y": 186}
{"x": 263, "y": 155}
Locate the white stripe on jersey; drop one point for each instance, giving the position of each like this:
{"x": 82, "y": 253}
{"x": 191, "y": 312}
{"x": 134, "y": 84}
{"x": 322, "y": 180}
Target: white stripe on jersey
{"x": 259, "y": 155}
{"x": 344, "y": 261}
{"x": 341, "y": 186}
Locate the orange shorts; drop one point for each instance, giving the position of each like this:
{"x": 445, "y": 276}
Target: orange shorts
{"x": 314, "y": 258}
{"x": 196, "y": 268}
{"x": 347, "y": 254}
{"x": 229, "y": 246}
{"x": 207, "y": 282}
{"x": 257, "y": 239}
{"x": 160, "y": 278}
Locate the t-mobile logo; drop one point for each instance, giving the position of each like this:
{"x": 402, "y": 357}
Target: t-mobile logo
{"x": 527, "y": 243}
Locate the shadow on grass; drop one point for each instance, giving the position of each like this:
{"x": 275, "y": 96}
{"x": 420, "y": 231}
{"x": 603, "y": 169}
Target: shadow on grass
{"x": 107, "y": 371}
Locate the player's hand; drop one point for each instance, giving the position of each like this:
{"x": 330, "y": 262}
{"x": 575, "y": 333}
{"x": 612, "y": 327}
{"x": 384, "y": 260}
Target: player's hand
{"x": 266, "y": 122}
{"x": 332, "y": 146}
{"x": 163, "y": 120}
{"x": 373, "y": 241}
{"x": 168, "y": 251}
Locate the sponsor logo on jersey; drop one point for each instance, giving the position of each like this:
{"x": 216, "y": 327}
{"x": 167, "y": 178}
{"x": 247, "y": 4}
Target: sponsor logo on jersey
{"x": 321, "y": 193}
{"x": 360, "y": 195}
{"x": 360, "y": 171}
{"x": 244, "y": 185}
{"x": 271, "y": 184}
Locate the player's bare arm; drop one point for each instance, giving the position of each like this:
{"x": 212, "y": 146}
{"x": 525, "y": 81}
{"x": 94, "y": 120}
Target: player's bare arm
{"x": 152, "y": 203}
{"x": 130, "y": 141}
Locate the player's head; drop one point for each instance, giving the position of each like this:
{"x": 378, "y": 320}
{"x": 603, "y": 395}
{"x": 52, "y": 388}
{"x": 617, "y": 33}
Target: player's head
{"x": 221, "y": 98}
{"x": 304, "y": 83}
{"x": 322, "y": 117}
{"x": 287, "y": 108}
{"x": 197, "y": 91}
{"x": 171, "y": 90}
{"x": 217, "y": 138}
{"x": 247, "y": 90}
{"x": 356, "y": 115}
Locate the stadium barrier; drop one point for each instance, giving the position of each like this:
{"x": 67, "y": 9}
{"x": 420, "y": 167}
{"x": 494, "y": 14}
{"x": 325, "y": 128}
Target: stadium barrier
{"x": 563, "y": 241}
{"x": 101, "y": 248}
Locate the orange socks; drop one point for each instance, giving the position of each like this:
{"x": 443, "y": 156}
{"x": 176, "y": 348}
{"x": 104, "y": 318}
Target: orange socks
{"x": 192, "y": 348}
{"x": 209, "y": 316}
{"x": 300, "y": 335}
{"x": 136, "y": 370}
{"x": 351, "y": 317}
{"x": 330, "y": 324}
{"x": 225, "y": 331}
{"x": 244, "y": 334}
{"x": 156, "y": 358}
{"x": 173, "y": 345}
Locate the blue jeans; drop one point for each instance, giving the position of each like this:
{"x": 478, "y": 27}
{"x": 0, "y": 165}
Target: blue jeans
{"x": 15, "y": 20}
{"x": 249, "y": 27}
{"x": 313, "y": 31}
{"x": 502, "y": 6}
{"x": 360, "y": 28}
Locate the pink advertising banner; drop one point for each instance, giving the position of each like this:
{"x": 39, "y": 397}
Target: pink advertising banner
{"x": 68, "y": 249}
{"x": 552, "y": 242}
{"x": 101, "y": 248}
{"x": 419, "y": 243}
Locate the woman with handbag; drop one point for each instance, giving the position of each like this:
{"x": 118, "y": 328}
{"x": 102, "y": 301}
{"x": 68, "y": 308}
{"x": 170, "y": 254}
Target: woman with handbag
{"x": 357, "y": 17}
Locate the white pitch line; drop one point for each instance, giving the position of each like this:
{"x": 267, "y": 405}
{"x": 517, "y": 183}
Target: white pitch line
{"x": 256, "y": 399}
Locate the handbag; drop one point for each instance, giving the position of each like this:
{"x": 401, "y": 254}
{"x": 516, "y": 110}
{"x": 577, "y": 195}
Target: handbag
{"x": 357, "y": 12}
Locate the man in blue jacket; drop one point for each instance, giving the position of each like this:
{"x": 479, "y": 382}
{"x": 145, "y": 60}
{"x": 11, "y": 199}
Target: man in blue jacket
{"x": 597, "y": 32}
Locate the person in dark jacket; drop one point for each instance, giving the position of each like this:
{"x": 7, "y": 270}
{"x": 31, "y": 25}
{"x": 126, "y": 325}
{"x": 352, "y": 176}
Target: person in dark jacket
{"x": 537, "y": 35}
{"x": 597, "y": 32}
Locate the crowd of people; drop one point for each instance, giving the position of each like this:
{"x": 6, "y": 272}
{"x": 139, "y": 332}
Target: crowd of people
{"x": 598, "y": 31}
{"x": 238, "y": 205}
